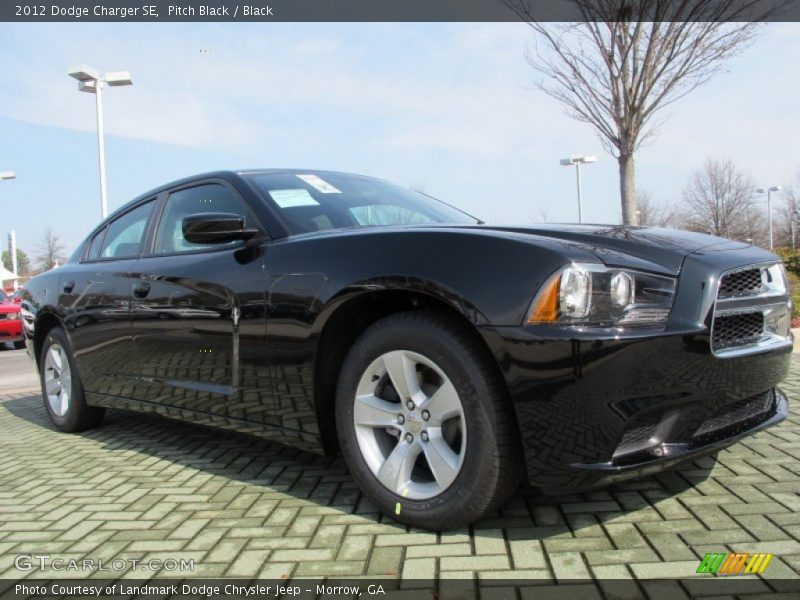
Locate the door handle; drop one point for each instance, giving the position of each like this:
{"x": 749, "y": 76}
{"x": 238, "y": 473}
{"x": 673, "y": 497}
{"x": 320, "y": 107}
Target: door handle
{"x": 68, "y": 286}
{"x": 140, "y": 290}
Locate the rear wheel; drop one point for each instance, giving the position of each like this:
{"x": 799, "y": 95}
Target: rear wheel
{"x": 424, "y": 422}
{"x": 62, "y": 391}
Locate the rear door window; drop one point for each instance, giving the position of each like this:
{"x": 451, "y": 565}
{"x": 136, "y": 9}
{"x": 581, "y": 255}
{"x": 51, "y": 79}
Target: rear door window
{"x": 96, "y": 245}
{"x": 125, "y": 234}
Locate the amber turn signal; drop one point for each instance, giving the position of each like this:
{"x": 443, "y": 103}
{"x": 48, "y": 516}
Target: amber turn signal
{"x": 545, "y": 307}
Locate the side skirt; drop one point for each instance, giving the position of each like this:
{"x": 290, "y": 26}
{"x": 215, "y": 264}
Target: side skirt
{"x": 302, "y": 440}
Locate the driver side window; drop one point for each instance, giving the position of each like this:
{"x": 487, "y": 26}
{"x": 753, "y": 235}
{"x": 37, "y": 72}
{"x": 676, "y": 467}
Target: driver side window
{"x": 208, "y": 198}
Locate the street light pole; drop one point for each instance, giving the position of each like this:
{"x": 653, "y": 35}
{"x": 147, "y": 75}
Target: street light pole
{"x": 577, "y": 160}
{"x": 580, "y": 198}
{"x": 768, "y": 191}
{"x": 101, "y": 149}
{"x": 12, "y": 251}
{"x": 12, "y": 244}
{"x": 91, "y": 81}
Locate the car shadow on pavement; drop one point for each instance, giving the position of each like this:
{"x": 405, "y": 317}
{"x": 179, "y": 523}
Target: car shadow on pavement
{"x": 138, "y": 446}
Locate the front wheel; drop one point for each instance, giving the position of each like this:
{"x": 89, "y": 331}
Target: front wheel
{"x": 19, "y": 345}
{"x": 61, "y": 386}
{"x": 424, "y": 422}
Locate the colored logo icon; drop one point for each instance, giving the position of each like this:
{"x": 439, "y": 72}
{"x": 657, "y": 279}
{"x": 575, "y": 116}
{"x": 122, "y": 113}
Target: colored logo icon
{"x": 723, "y": 563}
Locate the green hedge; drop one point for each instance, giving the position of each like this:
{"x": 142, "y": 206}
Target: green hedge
{"x": 791, "y": 259}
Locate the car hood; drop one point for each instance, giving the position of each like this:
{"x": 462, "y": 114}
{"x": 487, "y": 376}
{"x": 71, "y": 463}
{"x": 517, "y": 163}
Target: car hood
{"x": 653, "y": 249}
{"x": 8, "y": 307}
{"x": 646, "y": 248}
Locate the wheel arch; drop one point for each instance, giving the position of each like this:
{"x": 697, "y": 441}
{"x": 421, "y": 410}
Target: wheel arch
{"x": 354, "y": 310}
{"x": 45, "y": 321}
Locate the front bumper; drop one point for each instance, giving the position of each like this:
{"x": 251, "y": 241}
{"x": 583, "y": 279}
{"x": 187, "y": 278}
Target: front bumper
{"x": 594, "y": 412}
{"x": 11, "y": 330}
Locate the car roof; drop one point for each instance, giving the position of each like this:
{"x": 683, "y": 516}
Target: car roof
{"x": 221, "y": 174}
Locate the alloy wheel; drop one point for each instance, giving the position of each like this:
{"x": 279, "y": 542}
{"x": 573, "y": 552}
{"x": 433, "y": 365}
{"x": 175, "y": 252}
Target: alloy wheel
{"x": 57, "y": 380}
{"x": 410, "y": 424}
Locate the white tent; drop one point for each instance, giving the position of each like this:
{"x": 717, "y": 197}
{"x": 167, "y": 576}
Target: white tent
{"x": 6, "y": 275}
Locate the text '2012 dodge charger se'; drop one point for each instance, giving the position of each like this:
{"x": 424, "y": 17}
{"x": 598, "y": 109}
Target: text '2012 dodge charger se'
{"x": 444, "y": 358}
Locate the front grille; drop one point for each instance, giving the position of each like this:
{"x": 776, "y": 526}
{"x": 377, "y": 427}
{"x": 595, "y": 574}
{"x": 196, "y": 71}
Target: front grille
{"x": 737, "y": 329}
{"x": 3, "y": 316}
{"x": 738, "y": 413}
{"x": 747, "y": 282}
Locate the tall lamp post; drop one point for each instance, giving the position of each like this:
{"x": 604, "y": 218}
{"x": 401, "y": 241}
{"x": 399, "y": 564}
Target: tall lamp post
{"x": 577, "y": 160}
{"x": 92, "y": 81}
{"x": 768, "y": 191}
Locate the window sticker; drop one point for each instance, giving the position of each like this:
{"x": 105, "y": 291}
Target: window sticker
{"x": 292, "y": 198}
{"x": 319, "y": 184}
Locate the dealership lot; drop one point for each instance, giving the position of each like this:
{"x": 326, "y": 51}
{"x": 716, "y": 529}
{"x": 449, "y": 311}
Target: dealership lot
{"x": 142, "y": 488}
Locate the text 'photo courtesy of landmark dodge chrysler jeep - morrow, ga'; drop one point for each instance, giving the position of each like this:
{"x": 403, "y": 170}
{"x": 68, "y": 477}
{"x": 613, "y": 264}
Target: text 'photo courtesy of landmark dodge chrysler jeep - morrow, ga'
{"x": 447, "y": 360}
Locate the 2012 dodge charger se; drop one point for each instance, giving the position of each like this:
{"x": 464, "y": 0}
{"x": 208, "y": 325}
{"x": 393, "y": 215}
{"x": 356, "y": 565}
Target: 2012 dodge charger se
{"x": 444, "y": 358}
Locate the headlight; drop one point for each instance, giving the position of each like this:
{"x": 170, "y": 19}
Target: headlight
{"x": 12, "y": 316}
{"x": 590, "y": 294}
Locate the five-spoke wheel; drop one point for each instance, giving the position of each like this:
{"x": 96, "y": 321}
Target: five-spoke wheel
{"x": 410, "y": 424}
{"x": 57, "y": 379}
{"x": 61, "y": 385}
{"x": 424, "y": 421}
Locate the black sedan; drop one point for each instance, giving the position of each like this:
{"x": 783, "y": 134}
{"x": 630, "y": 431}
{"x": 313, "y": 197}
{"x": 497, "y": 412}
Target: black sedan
{"x": 444, "y": 358}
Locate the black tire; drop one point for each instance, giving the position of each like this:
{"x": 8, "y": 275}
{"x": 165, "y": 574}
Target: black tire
{"x": 19, "y": 345}
{"x": 79, "y": 416}
{"x": 492, "y": 461}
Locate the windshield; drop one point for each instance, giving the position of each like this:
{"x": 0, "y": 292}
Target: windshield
{"x": 310, "y": 201}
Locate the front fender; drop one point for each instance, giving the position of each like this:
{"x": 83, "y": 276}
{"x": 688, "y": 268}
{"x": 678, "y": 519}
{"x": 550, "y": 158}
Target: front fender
{"x": 421, "y": 287}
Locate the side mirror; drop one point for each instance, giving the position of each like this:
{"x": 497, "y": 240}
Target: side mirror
{"x": 216, "y": 228}
{"x": 17, "y": 299}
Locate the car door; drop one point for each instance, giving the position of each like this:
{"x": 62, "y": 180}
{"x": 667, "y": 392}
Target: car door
{"x": 94, "y": 296}
{"x": 198, "y": 312}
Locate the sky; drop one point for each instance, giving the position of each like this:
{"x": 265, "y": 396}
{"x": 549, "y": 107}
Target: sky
{"x": 449, "y": 107}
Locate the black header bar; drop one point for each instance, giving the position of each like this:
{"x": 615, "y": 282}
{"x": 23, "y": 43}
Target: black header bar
{"x": 391, "y": 10}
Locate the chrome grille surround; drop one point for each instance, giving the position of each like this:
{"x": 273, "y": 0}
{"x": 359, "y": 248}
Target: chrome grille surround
{"x": 749, "y": 316}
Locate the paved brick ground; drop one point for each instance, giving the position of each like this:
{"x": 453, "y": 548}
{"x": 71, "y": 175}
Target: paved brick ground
{"x": 143, "y": 487}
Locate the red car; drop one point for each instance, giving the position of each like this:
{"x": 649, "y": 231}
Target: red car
{"x": 10, "y": 322}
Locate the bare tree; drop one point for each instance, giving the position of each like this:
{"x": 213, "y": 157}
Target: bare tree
{"x": 629, "y": 59}
{"x": 50, "y": 250}
{"x": 719, "y": 199}
{"x": 651, "y": 213}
